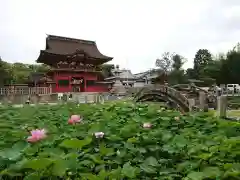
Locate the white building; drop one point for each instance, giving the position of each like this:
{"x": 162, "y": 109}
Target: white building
{"x": 127, "y": 79}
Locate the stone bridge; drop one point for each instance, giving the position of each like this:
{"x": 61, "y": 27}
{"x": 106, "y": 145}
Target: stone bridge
{"x": 162, "y": 93}
{"x": 192, "y": 91}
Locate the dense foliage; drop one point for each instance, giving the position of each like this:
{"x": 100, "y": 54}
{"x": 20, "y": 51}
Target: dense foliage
{"x": 187, "y": 147}
{"x": 18, "y": 73}
{"x": 202, "y": 58}
{"x": 220, "y": 69}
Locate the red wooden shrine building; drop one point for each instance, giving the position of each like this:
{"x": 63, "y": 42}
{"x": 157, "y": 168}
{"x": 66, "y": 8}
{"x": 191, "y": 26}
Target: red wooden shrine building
{"x": 74, "y": 65}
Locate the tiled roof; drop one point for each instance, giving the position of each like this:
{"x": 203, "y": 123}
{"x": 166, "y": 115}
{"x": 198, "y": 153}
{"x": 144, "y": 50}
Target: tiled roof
{"x": 69, "y": 46}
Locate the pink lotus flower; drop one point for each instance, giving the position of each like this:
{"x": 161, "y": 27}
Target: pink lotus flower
{"x": 99, "y": 134}
{"x": 147, "y": 125}
{"x": 70, "y": 121}
{"x": 74, "y": 119}
{"x": 37, "y": 135}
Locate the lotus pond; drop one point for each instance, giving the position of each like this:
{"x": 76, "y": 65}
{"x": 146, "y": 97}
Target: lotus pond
{"x": 171, "y": 147}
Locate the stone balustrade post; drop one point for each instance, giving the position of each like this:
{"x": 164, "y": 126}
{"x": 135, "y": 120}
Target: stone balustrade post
{"x": 202, "y": 100}
{"x": 191, "y": 104}
{"x": 222, "y": 106}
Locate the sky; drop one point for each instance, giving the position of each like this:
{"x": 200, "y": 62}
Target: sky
{"x": 134, "y": 32}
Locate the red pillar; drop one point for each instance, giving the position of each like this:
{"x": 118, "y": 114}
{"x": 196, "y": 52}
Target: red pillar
{"x": 69, "y": 80}
{"x": 84, "y": 76}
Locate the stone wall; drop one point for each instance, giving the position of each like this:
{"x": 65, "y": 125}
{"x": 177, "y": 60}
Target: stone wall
{"x": 89, "y": 97}
{"x": 53, "y": 98}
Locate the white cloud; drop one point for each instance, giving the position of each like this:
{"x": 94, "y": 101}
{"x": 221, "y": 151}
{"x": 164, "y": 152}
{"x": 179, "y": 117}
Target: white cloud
{"x": 134, "y": 32}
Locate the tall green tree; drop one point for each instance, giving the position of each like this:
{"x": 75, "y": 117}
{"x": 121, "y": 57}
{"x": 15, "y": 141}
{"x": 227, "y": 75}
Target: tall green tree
{"x": 224, "y": 68}
{"x": 170, "y": 68}
{"x": 178, "y": 61}
{"x": 165, "y": 62}
{"x": 5, "y": 75}
{"x": 230, "y": 69}
{"x": 213, "y": 70}
{"x": 202, "y": 58}
{"x": 107, "y": 70}
{"x": 177, "y": 75}
{"x": 20, "y": 72}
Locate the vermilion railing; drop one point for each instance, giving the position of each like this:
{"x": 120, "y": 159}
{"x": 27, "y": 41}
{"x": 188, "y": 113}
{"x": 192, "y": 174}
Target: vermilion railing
{"x": 25, "y": 90}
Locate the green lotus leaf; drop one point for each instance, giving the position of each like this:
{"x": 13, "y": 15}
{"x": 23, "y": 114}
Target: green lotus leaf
{"x": 37, "y": 164}
{"x": 75, "y": 143}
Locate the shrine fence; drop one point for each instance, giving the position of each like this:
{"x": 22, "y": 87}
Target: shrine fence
{"x": 25, "y": 90}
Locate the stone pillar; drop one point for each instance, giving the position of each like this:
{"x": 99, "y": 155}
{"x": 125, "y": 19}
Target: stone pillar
{"x": 202, "y": 100}
{"x": 101, "y": 99}
{"x": 35, "y": 99}
{"x": 221, "y": 106}
{"x": 191, "y": 104}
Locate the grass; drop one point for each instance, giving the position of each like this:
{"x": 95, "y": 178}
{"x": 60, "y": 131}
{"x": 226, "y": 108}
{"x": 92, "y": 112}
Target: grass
{"x": 233, "y": 113}
{"x": 230, "y": 113}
